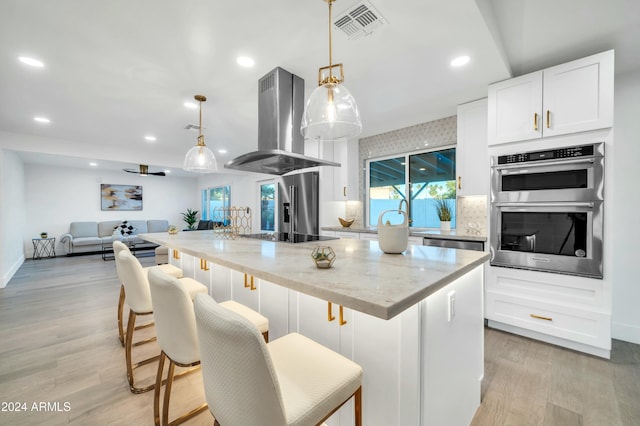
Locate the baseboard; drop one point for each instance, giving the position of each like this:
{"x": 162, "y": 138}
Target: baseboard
{"x": 627, "y": 332}
{"x": 12, "y": 271}
{"x": 580, "y": 347}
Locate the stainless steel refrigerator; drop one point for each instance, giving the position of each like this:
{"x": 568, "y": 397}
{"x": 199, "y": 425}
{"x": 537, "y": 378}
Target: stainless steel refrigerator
{"x": 298, "y": 203}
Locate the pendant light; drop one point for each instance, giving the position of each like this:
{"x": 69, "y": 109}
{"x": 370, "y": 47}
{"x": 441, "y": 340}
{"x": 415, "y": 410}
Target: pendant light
{"x": 331, "y": 112}
{"x": 200, "y": 159}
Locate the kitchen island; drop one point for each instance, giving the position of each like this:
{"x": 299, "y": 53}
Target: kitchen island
{"x": 413, "y": 321}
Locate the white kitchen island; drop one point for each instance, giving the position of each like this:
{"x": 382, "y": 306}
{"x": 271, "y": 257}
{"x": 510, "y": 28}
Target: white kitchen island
{"x": 414, "y": 321}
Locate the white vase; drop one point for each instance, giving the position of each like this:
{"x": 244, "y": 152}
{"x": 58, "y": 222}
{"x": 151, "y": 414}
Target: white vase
{"x": 445, "y": 225}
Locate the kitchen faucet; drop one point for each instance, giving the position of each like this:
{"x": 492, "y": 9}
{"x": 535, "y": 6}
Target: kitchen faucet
{"x": 406, "y": 203}
{"x": 404, "y": 200}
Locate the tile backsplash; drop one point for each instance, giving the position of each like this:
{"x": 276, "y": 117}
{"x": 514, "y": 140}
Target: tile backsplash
{"x": 472, "y": 211}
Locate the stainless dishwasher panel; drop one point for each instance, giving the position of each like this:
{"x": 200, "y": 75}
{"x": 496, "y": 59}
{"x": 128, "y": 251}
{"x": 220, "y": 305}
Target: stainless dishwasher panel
{"x": 457, "y": 244}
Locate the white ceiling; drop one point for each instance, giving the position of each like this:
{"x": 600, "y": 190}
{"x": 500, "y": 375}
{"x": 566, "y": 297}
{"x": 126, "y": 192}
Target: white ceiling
{"x": 118, "y": 70}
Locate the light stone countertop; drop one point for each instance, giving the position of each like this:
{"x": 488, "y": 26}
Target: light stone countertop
{"x": 362, "y": 278}
{"x": 454, "y": 234}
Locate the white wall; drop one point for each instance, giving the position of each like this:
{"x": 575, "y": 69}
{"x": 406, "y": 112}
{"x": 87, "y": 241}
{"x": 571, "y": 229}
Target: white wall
{"x": 12, "y": 217}
{"x": 626, "y": 229}
{"x": 56, "y": 196}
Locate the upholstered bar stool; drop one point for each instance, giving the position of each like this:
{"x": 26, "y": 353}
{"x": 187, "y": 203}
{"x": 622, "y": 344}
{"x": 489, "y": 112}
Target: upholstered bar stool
{"x": 136, "y": 283}
{"x": 176, "y": 331}
{"x": 290, "y": 381}
{"x": 169, "y": 269}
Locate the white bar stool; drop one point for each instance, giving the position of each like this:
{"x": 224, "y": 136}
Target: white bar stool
{"x": 118, "y": 246}
{"x": 136, "y": 283}
{"x": 290, "y": 381}
{"x": 176, "y": 331}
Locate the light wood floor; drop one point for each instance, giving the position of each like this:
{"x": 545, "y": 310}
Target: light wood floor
{"x": 59, "y": 346}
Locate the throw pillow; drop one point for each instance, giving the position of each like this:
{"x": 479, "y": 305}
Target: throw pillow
{"x": 125, "y": 228}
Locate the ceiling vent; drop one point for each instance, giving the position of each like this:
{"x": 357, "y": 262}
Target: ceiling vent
{"x": 359, "y": 20}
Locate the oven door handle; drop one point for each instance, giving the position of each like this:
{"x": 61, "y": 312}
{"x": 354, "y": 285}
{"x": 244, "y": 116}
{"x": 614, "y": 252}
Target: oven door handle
{"x": 588, "y": 205}
{"x": 546, "y": 163}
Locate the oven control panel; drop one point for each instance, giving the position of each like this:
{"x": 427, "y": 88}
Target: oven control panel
{"x": 569, "y": 152}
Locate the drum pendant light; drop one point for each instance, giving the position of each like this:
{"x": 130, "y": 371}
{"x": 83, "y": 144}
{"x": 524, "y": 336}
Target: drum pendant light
{"x": 331, "y": 112}
{"x": 200, "y": 159}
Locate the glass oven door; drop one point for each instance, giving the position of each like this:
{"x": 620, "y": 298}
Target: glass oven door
{"x": 554, "y": 237}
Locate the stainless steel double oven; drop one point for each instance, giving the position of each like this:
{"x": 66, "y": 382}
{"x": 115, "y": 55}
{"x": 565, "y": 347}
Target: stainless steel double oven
{"x": 547, "y": 210}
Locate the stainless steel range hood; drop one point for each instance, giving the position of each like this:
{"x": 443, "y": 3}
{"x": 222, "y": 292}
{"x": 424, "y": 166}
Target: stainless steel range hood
{"x": 280, "y": 144}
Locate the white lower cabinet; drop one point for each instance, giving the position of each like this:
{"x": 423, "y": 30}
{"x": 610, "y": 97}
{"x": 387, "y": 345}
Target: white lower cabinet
{"x": 388, "y": 352}
{"x": 561, "y": 309}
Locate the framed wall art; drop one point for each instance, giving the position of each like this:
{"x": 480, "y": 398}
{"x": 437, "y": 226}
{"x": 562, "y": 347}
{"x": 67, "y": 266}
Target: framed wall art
{"x": 120, "y": 197}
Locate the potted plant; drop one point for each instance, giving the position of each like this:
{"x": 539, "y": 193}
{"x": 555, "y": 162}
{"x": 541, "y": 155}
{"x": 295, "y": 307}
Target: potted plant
{"x": 190, "y": 218}
{"x": 444, "y": 210}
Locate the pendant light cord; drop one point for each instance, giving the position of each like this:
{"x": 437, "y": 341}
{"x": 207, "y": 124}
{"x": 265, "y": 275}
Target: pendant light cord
{"x": 330, "y": 46}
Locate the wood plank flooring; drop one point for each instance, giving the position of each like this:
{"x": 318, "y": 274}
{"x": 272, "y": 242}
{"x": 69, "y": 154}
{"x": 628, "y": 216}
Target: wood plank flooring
{"x": 60, "y": 360}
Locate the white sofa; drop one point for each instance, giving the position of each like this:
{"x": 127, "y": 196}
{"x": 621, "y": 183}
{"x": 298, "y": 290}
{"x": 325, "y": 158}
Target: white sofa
{"x": 87, "y": 237}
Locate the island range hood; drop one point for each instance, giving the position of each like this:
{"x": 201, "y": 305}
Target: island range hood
{"x": 280, "y": 144}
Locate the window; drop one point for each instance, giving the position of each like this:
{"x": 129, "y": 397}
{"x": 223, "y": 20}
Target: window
{"x": 216, "y": 197}
{"x": 417, "y": 178}
{"x": 267, "y": 206}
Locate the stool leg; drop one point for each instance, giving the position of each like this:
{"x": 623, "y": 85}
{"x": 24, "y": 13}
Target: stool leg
{"x": 167, "y": 393}
{"x": 156, "y": 393}
{"x": 127, "y": 350}
{"x": 120, "y": 312}
{"x": 358, "y": 407}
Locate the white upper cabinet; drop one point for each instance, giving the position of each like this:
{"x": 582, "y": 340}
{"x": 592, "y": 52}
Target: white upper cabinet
{"x": 472, "y": 161}
{"x": 345, "y": 178}
{"x": 568, "y": 98}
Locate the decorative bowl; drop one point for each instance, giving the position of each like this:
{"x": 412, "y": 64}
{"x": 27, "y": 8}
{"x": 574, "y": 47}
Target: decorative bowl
{"x": 323, "y": 256}
{"x": 345, "y": 222}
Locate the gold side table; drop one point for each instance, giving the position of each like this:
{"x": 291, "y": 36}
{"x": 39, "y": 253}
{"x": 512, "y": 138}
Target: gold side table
{"x": 43, "y": 247}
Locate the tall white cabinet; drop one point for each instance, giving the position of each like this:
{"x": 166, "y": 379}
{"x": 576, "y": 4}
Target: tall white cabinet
{"x": 573, "y": 97}
{"x": 472, "y": 158}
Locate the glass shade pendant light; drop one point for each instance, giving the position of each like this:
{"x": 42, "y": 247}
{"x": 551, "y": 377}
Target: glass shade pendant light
{"x": 331, "y": 112}
{"x": 200, "y": 159}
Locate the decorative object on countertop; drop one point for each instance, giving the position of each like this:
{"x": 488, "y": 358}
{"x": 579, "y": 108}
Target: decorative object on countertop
{"x": 443, "y": 208}
{"x": 229, "y": 222}
{"x": 346, "y": 222}
{"x": 43, "y": 235}
{"x": 323, "y": 256}
{"x": 190, "y": 218}
{"x": 331, "y": 112}
{"x": 172, "y": 230}
{"x": 200, "y": 159}
{"x": 393, "y": 239}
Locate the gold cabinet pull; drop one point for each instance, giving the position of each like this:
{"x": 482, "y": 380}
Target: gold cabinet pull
{"x": 342, "y": 321}
{"x": 541, "y": 317}
{"x": 203, "y": 265}
{"x": 249, "y": 283}
{"x": 176, "y": 254}
{"x": 535, "y": 121}
{"x": 330, "y": 316}
{"x": 459, "y": 182}
{"x": 548, "y": 119}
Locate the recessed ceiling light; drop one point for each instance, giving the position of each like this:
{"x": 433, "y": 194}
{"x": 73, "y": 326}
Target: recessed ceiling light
{"x": 245, "y": 61}
{"x": 93, "y": 164}
{"x": 150, "y": 138}
{"x": 191, "y": 105}
{"x": 459, "y": 61}
{"x": 222, "y": 151}
{"x": 42, "y": 119}
{"x": 31, "y": 62}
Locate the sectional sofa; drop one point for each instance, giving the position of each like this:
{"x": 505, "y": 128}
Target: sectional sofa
{"x": 86, "y": 237}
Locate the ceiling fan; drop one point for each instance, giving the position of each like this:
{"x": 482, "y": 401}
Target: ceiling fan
{"x": 144, "y": 171}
